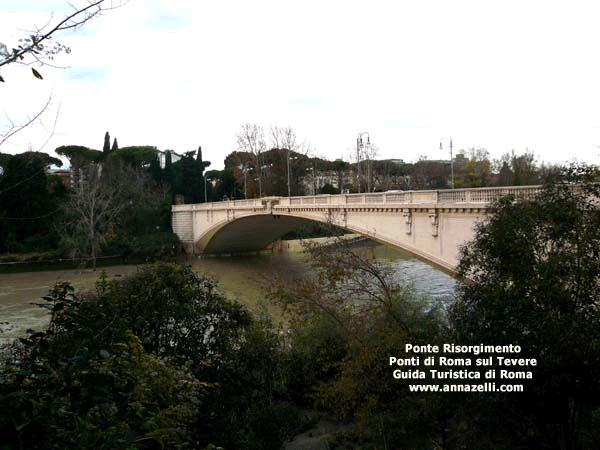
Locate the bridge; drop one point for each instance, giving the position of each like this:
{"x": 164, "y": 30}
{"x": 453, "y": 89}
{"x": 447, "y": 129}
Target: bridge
{"x": 431, "y": 225}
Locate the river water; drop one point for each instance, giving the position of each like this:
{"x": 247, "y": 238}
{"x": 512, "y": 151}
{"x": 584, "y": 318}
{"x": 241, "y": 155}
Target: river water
{"x": 240, "y": 277}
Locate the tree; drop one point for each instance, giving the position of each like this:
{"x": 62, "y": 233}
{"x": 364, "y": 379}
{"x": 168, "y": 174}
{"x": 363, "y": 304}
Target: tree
{"x": 251, "y": 139}
{"x": 79, "y": 158}
{"x": 240, "y": 163}
{"x": 145, "y": 200}
{"x": 370, "y": 152}
{"x": 524, "y": 169}
{"x": 202, "y": 165}
{"x": 505, "y": 174}
{"x": 284, "y": 138}
{"x": 340, "y": 167}
{"x": 29, "y": 199}
{"x": 345, "y": 322}
{"x": 115, "y": 146}
{"x": 474, "y": 171}
{"x": 106, "y": 147}
{"x": 136, "y": 156}
{"x": 188, "y": 173}
{"x": 430, "y": 174}
{"x": 517, "y": 170}
{"x": 90, "y": 210}
{"x": 533, "y": 272}
{"x": 221, "y": 185}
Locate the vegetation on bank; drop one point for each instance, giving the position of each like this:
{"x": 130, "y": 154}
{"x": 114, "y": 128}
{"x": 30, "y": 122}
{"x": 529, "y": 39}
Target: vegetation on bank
{"x": 161, "y": 359}
{"x": 113, "y": 206}
{"x": 113, "y": 197}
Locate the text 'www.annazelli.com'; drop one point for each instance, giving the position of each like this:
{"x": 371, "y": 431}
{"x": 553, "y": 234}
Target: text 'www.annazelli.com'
{"x": 485, "y": 387}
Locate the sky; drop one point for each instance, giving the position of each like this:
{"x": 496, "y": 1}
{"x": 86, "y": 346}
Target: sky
{"x": 511, "y": 75}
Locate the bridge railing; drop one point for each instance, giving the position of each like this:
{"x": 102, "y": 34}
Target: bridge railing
{"x": 466, "y": 196}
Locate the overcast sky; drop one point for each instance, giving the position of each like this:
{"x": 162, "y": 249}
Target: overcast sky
{"x": 178, "y": 74}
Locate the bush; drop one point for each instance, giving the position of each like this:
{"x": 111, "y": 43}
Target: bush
{"x": 88, "y": 382}
{"x": 121, "y": 367}
{"x": 160, "y": 359}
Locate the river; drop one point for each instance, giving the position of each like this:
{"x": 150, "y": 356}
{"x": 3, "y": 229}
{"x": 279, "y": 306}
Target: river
{"x": 240, "y": 277}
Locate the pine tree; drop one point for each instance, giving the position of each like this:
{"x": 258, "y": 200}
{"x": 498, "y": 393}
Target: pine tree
{"x": 106, "y": 148}
{"x": 115, "y": 146}
{"x": 201, "y": 164}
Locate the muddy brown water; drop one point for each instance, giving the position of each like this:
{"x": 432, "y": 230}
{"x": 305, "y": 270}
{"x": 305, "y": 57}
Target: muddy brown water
{"x": 242, "y": 278}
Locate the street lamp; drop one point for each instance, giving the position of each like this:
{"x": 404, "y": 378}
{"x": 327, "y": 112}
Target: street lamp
{"x": 314, "y": 187}
{"x": 289, "y": 159}
{"x": 451, "y": 164}
{"x": 359, "y": 145}
{"x": 205, "y": 193}
{"x": 288, "y": 173}
{"x": 244, "y": 170}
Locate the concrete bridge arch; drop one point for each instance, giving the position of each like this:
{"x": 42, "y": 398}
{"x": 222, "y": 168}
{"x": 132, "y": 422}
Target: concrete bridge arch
{"x": 431, "y": 225}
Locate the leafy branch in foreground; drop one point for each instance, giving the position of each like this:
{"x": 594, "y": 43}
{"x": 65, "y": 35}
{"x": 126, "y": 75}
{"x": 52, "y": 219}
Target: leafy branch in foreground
{"x": 40, "y": 46}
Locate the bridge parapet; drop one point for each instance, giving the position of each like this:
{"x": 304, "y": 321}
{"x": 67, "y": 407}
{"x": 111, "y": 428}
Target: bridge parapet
{"x": 472, "y": 195}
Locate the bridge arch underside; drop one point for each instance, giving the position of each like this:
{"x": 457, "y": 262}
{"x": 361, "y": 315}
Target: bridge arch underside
{"x": 247, "y": 234}
{"x": 255, "y": 232}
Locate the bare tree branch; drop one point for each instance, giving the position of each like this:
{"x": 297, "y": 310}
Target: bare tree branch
{"x": 284, "y": 138}
{"x": 251, "y": 139}
{"x": 51, "y": 133}
{"x": 37, "y": 42}
{"x": 14, "y": 129}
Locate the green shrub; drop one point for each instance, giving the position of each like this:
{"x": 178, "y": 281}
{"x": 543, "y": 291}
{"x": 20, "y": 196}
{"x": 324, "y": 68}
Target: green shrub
{"x": 121, "y": 367}
{"x": 160, "y": 359}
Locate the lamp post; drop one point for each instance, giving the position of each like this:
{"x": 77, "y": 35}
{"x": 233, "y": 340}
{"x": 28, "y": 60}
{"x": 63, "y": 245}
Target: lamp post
{"x": 245, "y": 184}
{"x": 360, "y": 145}
{"x": 244, "y": 170}
{"x": 451, "y": 164}
{"x": 288, "y": 172}
{"x": 205, "y": 196}
{"x": 313, "y": 181}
